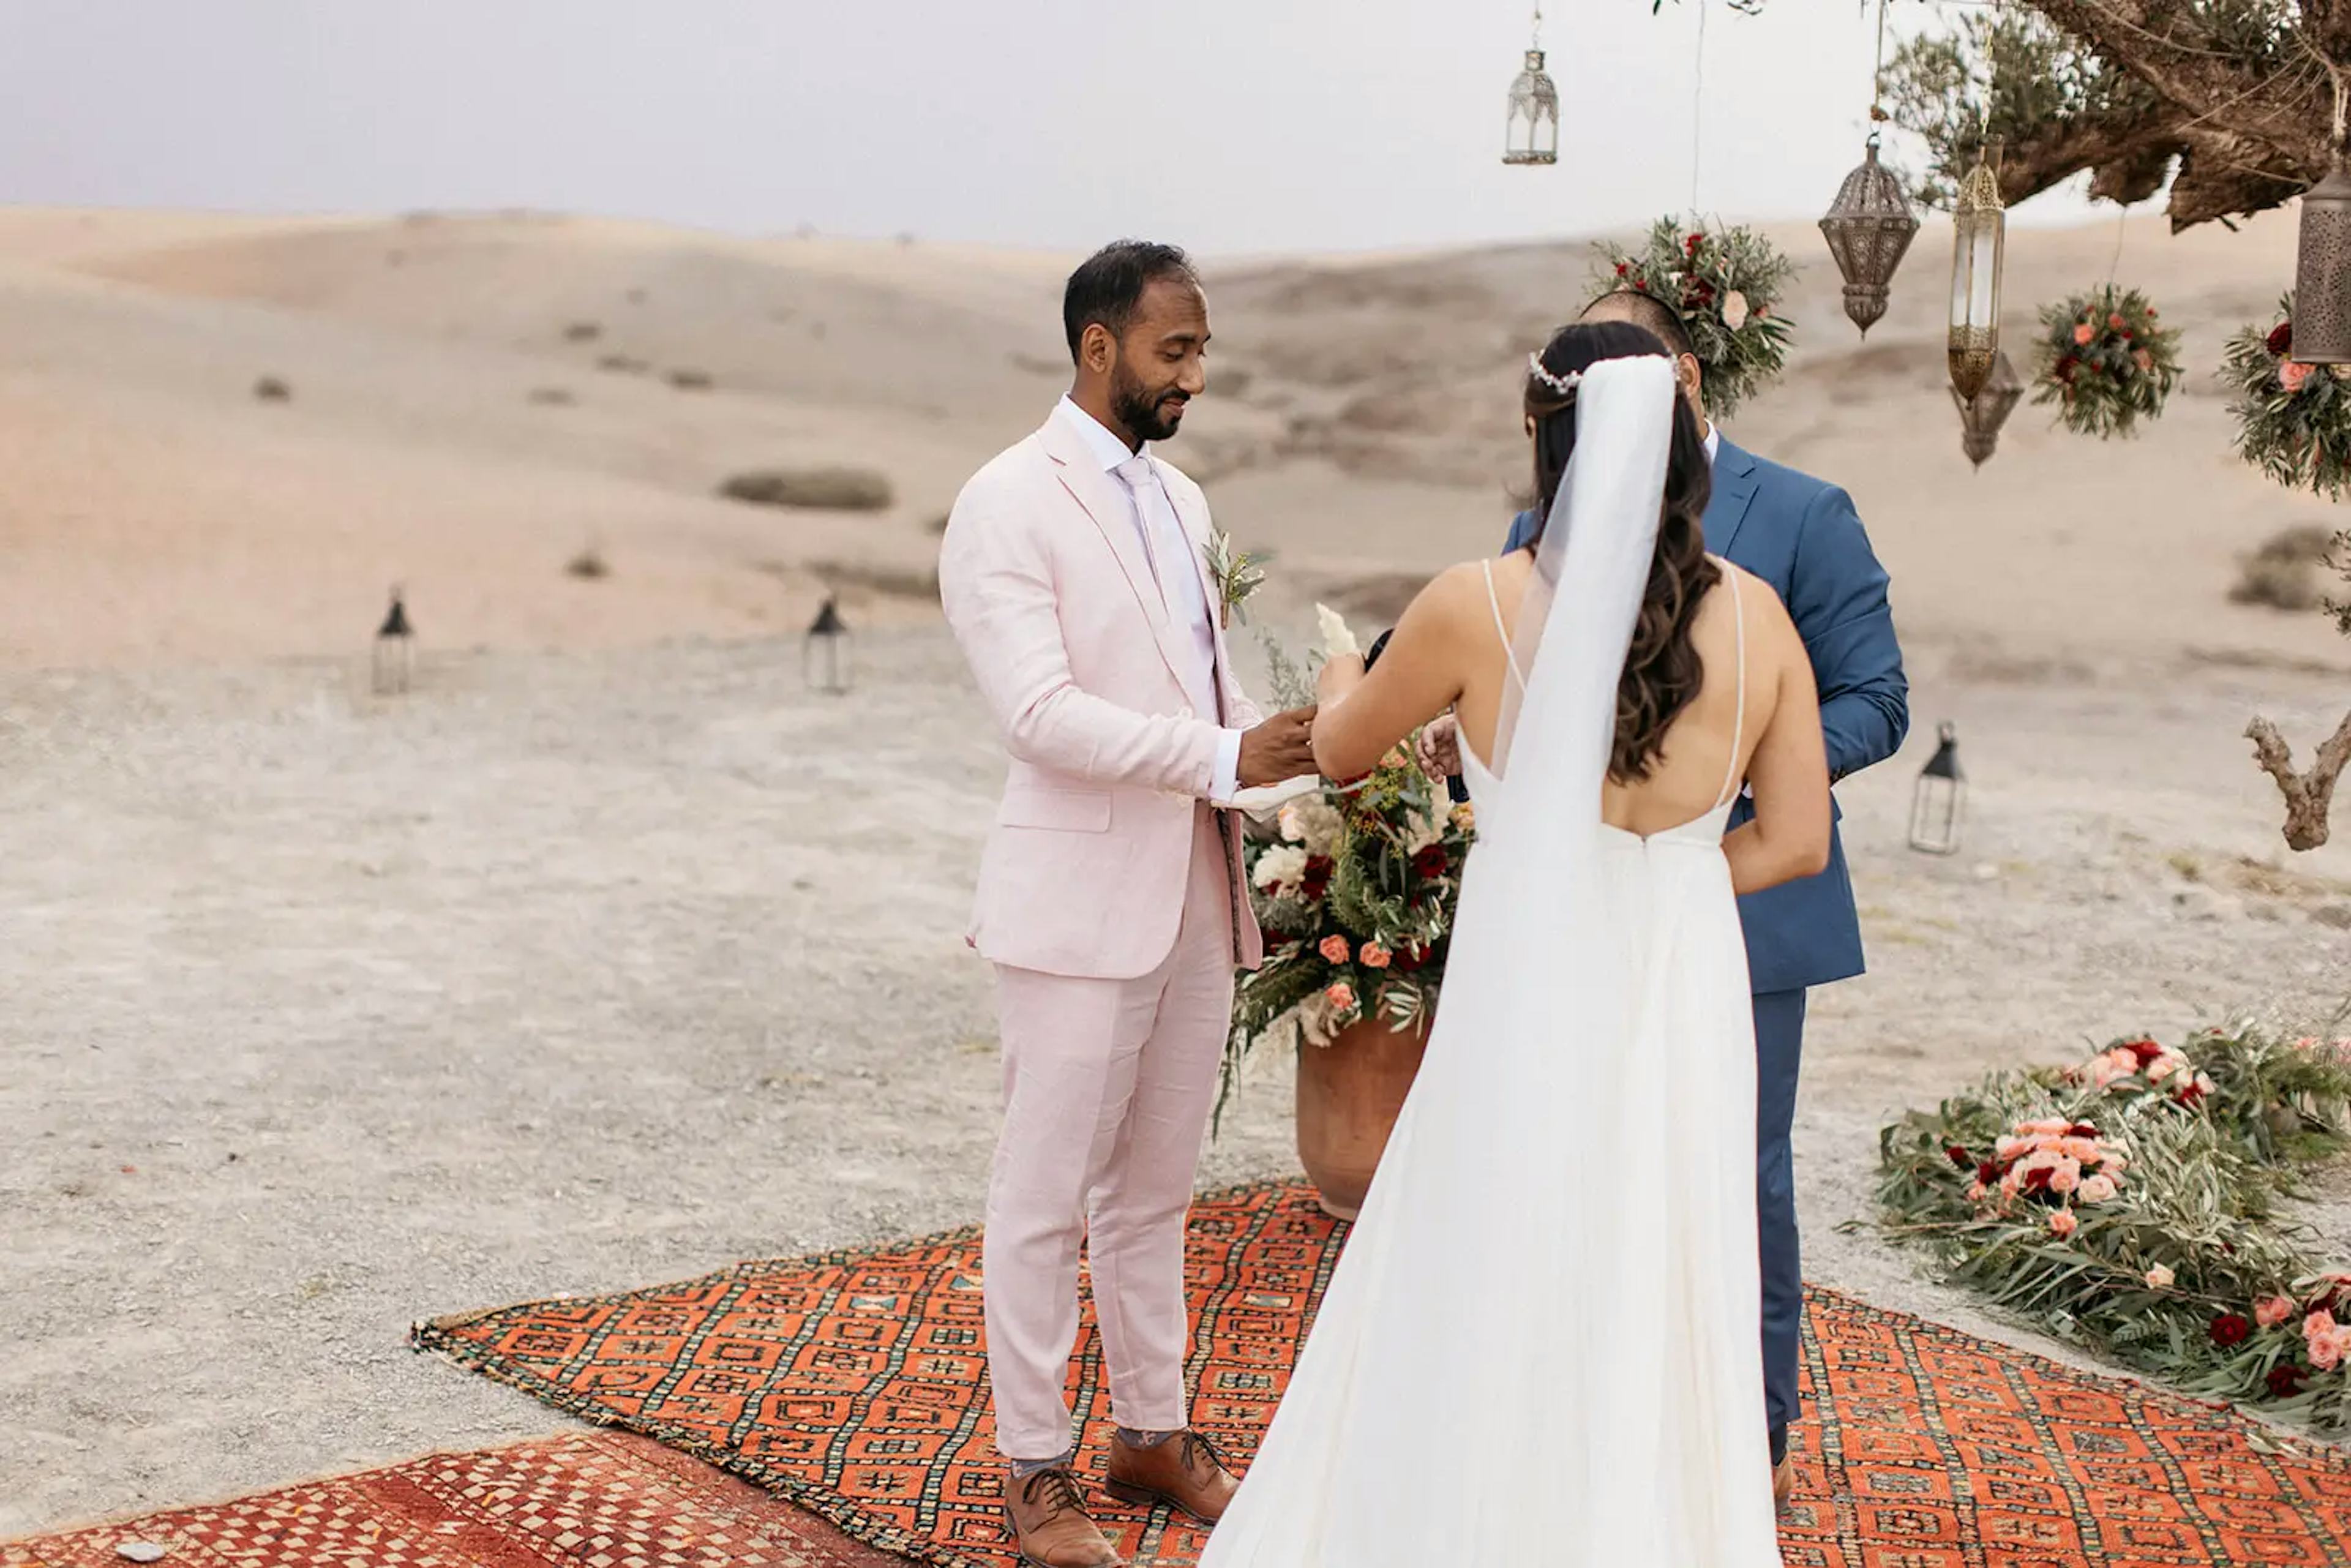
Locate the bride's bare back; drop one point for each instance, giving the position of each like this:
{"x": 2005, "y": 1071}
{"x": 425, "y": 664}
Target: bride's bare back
{"x": 1450, "y": 651}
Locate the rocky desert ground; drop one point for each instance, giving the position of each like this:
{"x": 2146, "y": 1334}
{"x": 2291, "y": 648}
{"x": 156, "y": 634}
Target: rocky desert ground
{"x": 611, "y": 954}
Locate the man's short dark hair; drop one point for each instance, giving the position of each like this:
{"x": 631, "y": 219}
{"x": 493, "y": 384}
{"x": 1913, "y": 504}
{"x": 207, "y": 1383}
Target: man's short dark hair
{"x": 1108, "y": 286}
{"x": 1643, "y": 309}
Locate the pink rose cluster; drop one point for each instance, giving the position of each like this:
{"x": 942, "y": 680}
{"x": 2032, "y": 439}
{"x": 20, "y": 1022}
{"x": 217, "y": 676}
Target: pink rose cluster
{"x": 2054, "y": 1162}
{"x": 2143, "y": 1062}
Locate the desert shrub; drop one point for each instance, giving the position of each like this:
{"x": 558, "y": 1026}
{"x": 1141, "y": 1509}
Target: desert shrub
{"x": 582, "y": 332}
{"x": 829, "y": 489}
{"x": 590, "y": 564}
{"x": 271, "y": 389}
{"x": 691, "y": 381}
{"x": 552, "y": 397}
{"x": 2284, "y": 572}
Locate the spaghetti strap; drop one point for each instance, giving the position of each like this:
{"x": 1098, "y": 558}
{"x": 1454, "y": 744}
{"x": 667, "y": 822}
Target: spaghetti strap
{"x": 1493, "y": 603}
{"x": 1738, "y": 724}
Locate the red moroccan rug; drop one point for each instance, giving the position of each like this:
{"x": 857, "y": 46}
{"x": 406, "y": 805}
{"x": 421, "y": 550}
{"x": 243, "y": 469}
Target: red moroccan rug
{"x": 855, "y": 1385}
{"x": 586, "y": 1497}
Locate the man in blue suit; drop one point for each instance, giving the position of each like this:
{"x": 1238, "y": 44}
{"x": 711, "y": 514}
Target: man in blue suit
{"x": 1804, "y": 538}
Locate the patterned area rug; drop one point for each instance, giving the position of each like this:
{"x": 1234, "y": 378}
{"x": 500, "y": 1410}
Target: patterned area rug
{"x": 854, "y": 1385}
{"x": 594, "y": 1498}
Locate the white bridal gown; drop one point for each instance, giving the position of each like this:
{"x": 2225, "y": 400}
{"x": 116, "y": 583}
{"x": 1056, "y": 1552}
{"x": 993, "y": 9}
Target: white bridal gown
{"x": 1542, "y": 1348}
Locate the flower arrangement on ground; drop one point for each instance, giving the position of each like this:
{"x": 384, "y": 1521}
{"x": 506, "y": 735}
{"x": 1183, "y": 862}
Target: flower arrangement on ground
{"x": 2107, "y": 362}
{"x": 2130, "y": 1204}
{"x": 1727, "y": 284}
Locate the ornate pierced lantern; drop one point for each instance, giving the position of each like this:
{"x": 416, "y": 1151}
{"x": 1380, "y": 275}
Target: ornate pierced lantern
{"x": 1938, "y": 804}
{"x": 395, "y": 642}
{"x": 1869, "y": 227}
{"x": 2322, "y": 273}
{"x": 824, "y": 658}
{"x": 1534, "y": 134}
{"x": 1979, "y": 246}
{"x": 1981, "y": 415}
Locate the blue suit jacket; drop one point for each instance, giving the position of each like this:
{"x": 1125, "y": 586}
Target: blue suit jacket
{"x": 1804, "y": 538}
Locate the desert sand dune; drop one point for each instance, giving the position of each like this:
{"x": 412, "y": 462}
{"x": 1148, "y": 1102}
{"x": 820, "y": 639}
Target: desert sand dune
{"x": 477, "y": 399}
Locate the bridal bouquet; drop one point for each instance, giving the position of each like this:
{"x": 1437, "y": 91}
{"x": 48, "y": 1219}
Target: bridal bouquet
{"x": 1356, "y": 886}
{"x": 2131, "y": 1204}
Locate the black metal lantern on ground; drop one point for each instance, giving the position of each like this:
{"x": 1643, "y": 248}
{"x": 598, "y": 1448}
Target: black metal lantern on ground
{"x": 395, "y": 644}
{"x": 825, "y": 656}
{"x": 1938, "y": 804}
{"x": 1534, "y": 134}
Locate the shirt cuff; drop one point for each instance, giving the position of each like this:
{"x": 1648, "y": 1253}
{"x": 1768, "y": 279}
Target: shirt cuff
{"x": 1227, "y": 784}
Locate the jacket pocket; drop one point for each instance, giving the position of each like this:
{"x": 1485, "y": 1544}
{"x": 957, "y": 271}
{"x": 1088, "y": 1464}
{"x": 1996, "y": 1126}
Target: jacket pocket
{"x": 1062, "y": 811}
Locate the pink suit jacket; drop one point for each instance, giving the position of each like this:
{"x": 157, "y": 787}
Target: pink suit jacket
{"x": 1051, "y": 596}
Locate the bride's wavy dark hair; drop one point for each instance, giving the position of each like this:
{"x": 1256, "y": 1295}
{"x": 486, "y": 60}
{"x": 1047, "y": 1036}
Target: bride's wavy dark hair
{"x": 1662, "y": 670}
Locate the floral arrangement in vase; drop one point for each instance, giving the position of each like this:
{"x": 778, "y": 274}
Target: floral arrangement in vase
{"x": 1356, "y": 886}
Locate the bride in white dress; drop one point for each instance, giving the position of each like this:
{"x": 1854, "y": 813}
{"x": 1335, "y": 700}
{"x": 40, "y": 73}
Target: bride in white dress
{"x": 1541, "y": 1346}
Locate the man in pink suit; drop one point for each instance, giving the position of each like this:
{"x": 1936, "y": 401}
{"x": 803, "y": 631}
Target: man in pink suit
{"x": 1075, "y": 577}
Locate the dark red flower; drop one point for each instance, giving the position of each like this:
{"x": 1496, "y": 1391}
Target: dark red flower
{"x": 1318, "y": 876}
{"x": 2285, "y": 1381}
{"x": 2081, "y": 1130}
{"x": 1987, "y": 1173}
{"x": 2037, "y": 1179}
{"x": 2229, "y": 1330}
{"x": 1430, "y": 862}
{"x": 2147, "y": 1050}
{"x": 1960, "y": 1157}
{"x": 1623, "y": 268}
{"x": 2280, "y": 339}
{"x": 1411, "y": 957}
{"x": 2191, "y": 1096}
{"x": 1692, "y": 244}
{"x": 2065, "y": 367}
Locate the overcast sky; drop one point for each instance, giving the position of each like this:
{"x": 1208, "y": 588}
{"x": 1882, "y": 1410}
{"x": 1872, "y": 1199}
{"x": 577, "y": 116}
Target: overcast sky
{"x": 1228, "y": 125}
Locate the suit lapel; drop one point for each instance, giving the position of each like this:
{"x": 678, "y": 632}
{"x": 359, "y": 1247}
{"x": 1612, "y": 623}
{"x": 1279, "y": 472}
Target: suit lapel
{"x": 1734, "y": 488}
{"x": 1113, "y": 514}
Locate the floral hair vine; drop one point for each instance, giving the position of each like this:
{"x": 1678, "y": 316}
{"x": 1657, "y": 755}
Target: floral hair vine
{"x": 1563, "y": 386}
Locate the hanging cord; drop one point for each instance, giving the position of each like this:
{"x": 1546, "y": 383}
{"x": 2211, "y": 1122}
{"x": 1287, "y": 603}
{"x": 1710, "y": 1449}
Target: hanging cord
{"x": 1697, "y": 111}
{"x": 1877, "y": 115}
{"x": 2122, "y": 228}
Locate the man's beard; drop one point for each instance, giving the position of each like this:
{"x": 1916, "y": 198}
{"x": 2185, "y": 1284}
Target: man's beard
{"x": 1147, "y": 415}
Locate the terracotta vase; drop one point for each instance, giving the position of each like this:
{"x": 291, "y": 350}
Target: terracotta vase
{"x": 1349, "y": 1092}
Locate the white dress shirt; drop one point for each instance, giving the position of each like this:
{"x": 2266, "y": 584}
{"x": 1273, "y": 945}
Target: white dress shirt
{"x": 1169, "y": 551}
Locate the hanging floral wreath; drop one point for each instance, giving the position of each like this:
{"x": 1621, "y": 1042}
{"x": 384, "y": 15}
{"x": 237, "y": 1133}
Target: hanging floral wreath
{"x": 2107, "y": 362}
{"x": 1726, "y": 284}
{"x": 2294, "y": 420}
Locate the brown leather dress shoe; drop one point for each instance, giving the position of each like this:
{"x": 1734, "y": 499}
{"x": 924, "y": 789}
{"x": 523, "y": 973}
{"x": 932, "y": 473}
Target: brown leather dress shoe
{"x": 1783, "y": 1484}
{"x": 1183, "y": 1473}
{"x": 1048, "y": 1515}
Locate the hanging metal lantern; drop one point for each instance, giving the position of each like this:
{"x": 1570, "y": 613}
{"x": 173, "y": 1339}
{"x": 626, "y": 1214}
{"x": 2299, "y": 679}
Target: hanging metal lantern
{"x": 2322, "y": 275}
{"x": 1938, "y": 804}
{"x": 1869, "y": 227}
{"x": 1532, "y": 137}
{"x": 1981, "y": 415}
{"x": 824, "y": 657}
{"x": 1978, "y": 246}
{"x": 395, "y": 642}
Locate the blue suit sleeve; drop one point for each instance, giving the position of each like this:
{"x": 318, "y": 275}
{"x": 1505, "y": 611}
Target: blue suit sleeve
{"x": 1839, "y": 605}
{"x": 1522, "y": 528}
